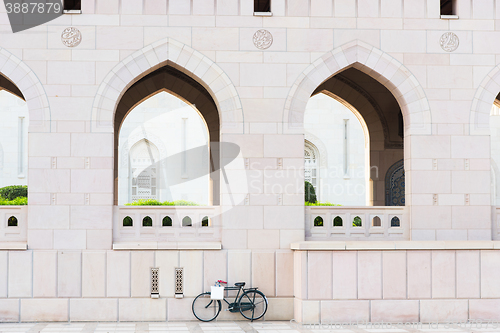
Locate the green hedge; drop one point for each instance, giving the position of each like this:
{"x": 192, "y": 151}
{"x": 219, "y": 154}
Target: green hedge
{"x": 15, "y": 195}
{"x": 152, "y": 202}
{"x": 19, "y": 201}
{"x": 14, "y": 191}
{"x": 321, "y": 204}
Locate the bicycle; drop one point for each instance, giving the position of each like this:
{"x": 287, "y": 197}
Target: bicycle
{"x": 252, "y": 304}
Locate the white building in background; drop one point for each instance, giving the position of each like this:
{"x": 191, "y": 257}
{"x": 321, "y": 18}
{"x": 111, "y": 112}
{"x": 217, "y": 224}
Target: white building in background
{"x": 422, "y": 75}
{"x": 14, "y": 119}
{"x": 156, "y": 155}
{"x": 336, "y": 152}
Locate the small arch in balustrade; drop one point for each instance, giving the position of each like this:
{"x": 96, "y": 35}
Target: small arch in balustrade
{"x": 206, "y": 222}
{"x": 12, "y": 222}
{"x": 376, "y": 222}
{"x": 395, "y": 222}
{"x": 167, "y": 221}
{"x": 187, "y": 222}
{"x": 318, "y": 221}
{"x": 337, "y": 221}
{"x": 147, "y": 221}
{"x": 357, "y": 222}
{"x": 127, "y": 221}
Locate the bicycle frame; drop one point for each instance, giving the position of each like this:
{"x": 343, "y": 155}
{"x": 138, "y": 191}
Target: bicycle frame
{"x": 233, "y": 307}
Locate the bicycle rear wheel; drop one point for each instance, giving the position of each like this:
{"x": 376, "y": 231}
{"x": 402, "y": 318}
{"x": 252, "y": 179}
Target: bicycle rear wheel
{"x": 252, "y": 304}
{"x": 205, "y": 308}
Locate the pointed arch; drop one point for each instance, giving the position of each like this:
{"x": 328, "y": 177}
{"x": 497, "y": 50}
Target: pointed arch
{"x": 321, "y": 148}
{"x": 355, "y": 112}
{"x": 372, "y": 61}
{"x": 23, "y": 82}
{"x": 179, "y": 56}
{"x": 483, "y": 101}
{"x": 134, "y": 139}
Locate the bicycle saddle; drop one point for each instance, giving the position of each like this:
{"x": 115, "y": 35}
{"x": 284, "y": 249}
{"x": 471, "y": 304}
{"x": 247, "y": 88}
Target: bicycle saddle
{"x": 239, "y": 284}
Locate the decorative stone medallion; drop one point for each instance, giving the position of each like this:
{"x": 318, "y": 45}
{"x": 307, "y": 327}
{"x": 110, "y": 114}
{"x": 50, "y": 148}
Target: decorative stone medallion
{"x": 449, "y": 42}
{"x": 262, "y": 39}
{"x": 71, "y": 37}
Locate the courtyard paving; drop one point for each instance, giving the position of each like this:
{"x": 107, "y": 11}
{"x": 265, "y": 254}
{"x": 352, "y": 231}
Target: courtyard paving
{"x": 238, "y": 326}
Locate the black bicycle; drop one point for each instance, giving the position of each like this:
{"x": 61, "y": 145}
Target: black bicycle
{"x": 252, "y": 304}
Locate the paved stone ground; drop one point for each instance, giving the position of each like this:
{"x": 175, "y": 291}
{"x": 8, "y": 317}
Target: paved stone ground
{"x": 239, "y": 326}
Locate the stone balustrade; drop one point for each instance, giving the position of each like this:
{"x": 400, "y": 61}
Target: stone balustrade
{"x": 13, "y": 227}
{"x": 166, "y": 227}
{"x": 374, "y": 223}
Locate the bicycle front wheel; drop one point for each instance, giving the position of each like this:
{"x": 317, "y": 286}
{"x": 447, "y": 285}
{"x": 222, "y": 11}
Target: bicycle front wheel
{"x": 252, "y": 304}
{"x": 205, "y": 308}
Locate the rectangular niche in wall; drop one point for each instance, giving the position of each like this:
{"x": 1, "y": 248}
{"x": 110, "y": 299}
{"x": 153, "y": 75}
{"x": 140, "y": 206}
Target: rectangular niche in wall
{"x": 262, "y": 8}
{"x": 179, "y": 282}
{"x": 72, "y": 6}
{"x": 448, "y": 9}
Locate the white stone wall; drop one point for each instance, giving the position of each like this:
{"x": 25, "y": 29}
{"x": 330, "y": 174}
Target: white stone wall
{"x": 396, "y": 286}
{"x": 115, "y": 285}
{"x": 261, "y": 95}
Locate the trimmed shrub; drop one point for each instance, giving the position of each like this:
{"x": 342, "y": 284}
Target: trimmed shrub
{"x": 153, "y": 202}
{"x": 14, "y": 191}
{"x": 321, "y": 204}
{"x": 19, "y": 201}
{"x": 310, "y": 193}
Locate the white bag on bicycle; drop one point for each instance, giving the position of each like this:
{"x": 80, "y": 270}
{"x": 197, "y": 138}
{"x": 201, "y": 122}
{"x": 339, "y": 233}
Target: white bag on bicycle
{"x": 217, "y": 292}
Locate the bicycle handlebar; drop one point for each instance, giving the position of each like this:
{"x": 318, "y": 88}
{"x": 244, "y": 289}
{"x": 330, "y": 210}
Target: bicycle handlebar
{"x": 223, "y": 282}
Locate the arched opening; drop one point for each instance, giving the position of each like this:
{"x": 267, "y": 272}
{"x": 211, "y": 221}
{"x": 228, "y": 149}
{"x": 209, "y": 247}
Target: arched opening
{"x": 360, "y": 123}
{"x": 166, "y": 136}
{"x": 170, "y": 67}
{"x": 395, "y": 109}
{"x": 163, "y": 147}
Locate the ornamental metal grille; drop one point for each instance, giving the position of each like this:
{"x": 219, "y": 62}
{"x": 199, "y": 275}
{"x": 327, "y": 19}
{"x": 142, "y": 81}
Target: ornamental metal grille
{"x": 144, "y": 185}
{"x": 395, "y": 185}
{"x": 143, "y": 159}
{"x": 154, "y": 281}
{"x": 179, "y": 280}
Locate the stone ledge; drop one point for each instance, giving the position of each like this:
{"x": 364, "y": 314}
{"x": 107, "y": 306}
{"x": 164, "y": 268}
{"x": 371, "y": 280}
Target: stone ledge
{"x": 13, "y": 246}
{"x": 167, "y": 246}
{"x": 394, "y": 245}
